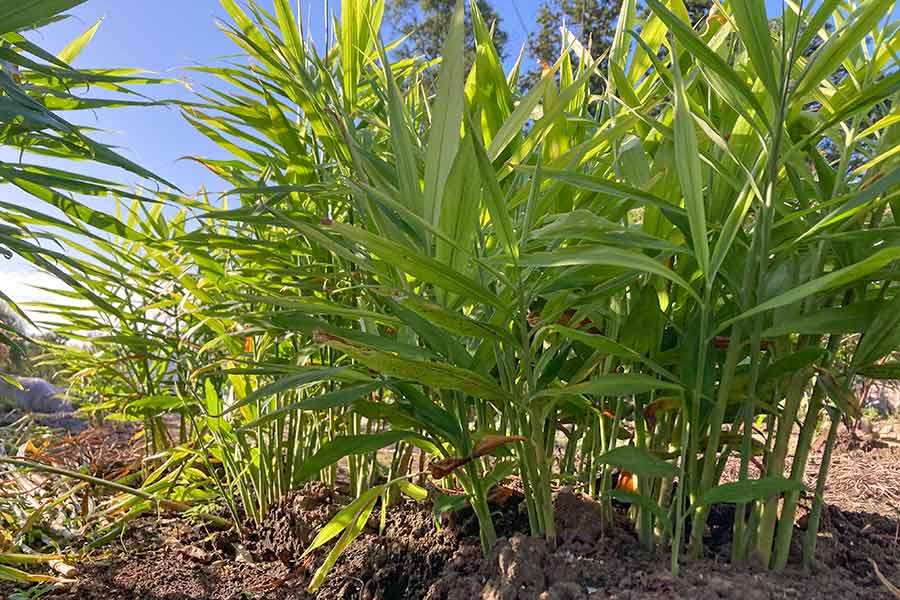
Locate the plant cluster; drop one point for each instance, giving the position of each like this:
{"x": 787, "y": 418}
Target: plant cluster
{"x": 551, "y": 285}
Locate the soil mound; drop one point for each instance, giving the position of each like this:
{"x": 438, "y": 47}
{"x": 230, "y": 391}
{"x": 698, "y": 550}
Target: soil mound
{"x": 411, "y": 559}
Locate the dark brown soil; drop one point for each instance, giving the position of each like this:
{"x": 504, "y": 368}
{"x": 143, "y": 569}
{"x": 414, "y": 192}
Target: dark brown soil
{"x": 170, "y": 559}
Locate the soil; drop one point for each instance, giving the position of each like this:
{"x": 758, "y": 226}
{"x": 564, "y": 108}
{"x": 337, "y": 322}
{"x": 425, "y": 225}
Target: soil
{"x": 171, "y": 558}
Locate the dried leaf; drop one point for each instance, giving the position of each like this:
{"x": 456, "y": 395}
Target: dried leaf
{"x": 489, "y": 443}
{"x": 893, "y": 589}
{"x": 441, "y": 468}
{"x": 499, "y": 495}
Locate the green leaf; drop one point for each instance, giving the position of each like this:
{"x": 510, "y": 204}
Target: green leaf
{"x": 814, "y": 26}
{"x": 402, "y": 140}
{"x": 753, "y": 27}
{"x": 433, "y": 419}
{"x": 448, "y": 503}
{"x": 291, "y": 382}
{"x": 604, "y": 255}
{"x": 652, "y": 36}
{"x": 433, "y": 337}
{"x": 16, "y": 15}
{"x": 733, "y": 224}
{"x": 447, "y": 320}
{"x": 593, "y": 183}
{"x": 282, "y": 129}
{"x": 351, "y": 532}
{"x": 793, "y": 363}
{"x": 834, "y": 51}
{"x": 607, "y": 346}
{"x": 80, "y": 213}
{"x": 747, "y": 491}
{"x": 856, "y": 203}
{"x": 213, "y": 406}
{"x": 70, "y": 52}
{"x": 311, "y": 306}
{"x": 862, "y": 102}
{"x": 612, "y": 385}
{"x": 344, "y": 518}
{"x": 842, "y": 397}
{"x": 436, "y": 374}
{"x": 460, "y": 211}
{"x": 833, "y": 280}
{"x": 886, "y": 370}
{"x": 331, "y": 452}
{"x": 447, "y": 112}
{"x": 341, "y": 397}
{"x": 495, "y": 199}
{"x": 522, "y": 114}
{"x": 552, "y": 121}
{"x": 289, "y": 28}
{"x": 23, "y": 577}
{"x": 639, "y": 461}
{"x": 853, "y": 318}
{"x": 704, "y": 55}
{"x": 419, "y": 265}
{"x": 687, "y": 164}
{"x": 417, "y": 493}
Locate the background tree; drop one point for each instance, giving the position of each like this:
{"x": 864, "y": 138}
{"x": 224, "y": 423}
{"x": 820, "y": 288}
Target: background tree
{"x": 427, "y": 22}
{"x": 11, "y": 354}
{"x": 22, "y": 344}
{"x": 698, "y": 9}
{"x": 591, "y": 21}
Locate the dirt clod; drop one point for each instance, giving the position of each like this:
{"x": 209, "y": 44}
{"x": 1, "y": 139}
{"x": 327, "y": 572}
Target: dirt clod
{"x": 168, "y": 558}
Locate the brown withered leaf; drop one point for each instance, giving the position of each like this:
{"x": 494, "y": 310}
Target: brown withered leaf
{"x": 893, "y": 589}
{"x": 490, "y": 443}
{"x": 441, "y": 468}
{"x": 663, "y": 404}
{"x": 499, "y": 495}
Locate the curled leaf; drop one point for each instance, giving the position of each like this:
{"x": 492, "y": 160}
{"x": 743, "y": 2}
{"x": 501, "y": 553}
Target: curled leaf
{"x": 499, "y": 495}
{"x": 441, "y": 468}
{"x": 489, "y": 443}
{"x": 844, "y": 399}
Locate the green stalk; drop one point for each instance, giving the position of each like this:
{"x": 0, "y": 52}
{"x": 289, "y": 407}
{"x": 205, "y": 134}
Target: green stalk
{"x": 534, "y": 520}
{"x": 645, "y": 517}
{"x": 227, "y": 497}
{"x": 801, "y": 456}
{"x": 486, "y": 531}
{"x": 775, "y": 465}
{"x": 679, "y": 496}
{"x": 663, "y": 435}
{"x": 542, "y": 468}
{"x": 716, "y": 418}
{"x": 477, "y": 495}
{"x": 588, "y": 449}
{"x": 786, "y": 522}
{"x": 689, "y": 462}
{"x": 568, "y": 461}
{"x": 812, "y": 525}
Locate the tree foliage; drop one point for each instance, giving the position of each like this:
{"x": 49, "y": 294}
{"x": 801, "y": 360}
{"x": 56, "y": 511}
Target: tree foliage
{"x": 426, "y": 23}
{"x": 593, "y": 22}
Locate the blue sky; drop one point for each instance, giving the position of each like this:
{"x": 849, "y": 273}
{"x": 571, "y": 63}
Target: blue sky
{"x": 165, "y": 37}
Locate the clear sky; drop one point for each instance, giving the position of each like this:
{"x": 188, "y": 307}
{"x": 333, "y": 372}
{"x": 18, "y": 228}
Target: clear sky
{"x": 165, "y": 36}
